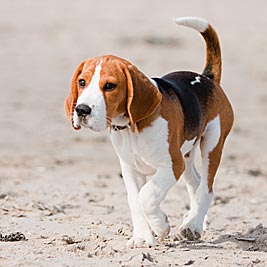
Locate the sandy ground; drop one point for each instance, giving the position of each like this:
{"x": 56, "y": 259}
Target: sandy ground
{"x": 62, "y": 188}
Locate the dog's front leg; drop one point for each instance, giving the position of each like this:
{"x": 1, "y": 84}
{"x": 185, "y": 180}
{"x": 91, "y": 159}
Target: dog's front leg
{"x": 142, "y": 235}
{"x": 152, "y": 194}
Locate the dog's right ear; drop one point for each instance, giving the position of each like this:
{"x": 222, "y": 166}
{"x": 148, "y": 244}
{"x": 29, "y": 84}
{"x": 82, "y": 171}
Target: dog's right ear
{"x": 71, "y": 99}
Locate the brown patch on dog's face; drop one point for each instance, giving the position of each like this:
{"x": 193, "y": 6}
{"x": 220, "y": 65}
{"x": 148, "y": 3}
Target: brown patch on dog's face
{"x": 113, "y": 86}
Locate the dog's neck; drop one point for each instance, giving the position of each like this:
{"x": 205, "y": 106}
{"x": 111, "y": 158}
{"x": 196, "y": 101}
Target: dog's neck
{"x": 121, "y": 122}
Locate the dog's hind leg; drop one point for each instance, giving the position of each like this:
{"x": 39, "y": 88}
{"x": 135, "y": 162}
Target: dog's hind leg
{"x": 191, "y": 176}
{"x": 211, "y": 149}
{"x": 192, "y": 179}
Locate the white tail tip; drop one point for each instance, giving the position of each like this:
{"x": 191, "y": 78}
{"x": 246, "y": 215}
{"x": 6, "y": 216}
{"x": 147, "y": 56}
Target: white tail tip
{"x": 196, "y": 23}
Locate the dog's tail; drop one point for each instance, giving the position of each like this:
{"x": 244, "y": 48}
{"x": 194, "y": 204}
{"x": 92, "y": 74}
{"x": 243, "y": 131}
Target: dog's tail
{"x": 213, "y": 65}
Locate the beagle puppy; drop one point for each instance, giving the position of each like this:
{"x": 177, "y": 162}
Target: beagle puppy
{"x": 156, "y": 125}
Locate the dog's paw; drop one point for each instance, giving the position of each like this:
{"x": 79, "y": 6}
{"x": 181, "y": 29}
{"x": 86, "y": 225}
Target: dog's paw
{"x": 189, "y": 234}
{"x": 190, "y": 230}
{"x": 162, "y": 230}
{"x": 160, "y": 226}
{"x": 141, "y": 242}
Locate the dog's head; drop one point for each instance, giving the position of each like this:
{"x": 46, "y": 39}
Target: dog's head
{"x": 106, "y": 87}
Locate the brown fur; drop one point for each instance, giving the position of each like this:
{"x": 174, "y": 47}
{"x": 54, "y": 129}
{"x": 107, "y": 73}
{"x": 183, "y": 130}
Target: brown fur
{"x": 213, "y": 65}
{"x": 143, "y": 97}
{"x": 171, "y": 110}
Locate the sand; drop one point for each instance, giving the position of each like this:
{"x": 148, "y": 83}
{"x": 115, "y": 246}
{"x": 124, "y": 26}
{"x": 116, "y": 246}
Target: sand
{"x": 62, "y": 188}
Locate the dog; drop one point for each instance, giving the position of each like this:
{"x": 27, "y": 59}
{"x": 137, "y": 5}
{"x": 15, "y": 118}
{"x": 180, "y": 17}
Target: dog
{"x": 156, "y": 125}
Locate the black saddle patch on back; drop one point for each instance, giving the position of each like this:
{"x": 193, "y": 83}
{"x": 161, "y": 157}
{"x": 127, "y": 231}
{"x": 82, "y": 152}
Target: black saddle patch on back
{"x": 193, "y": 94}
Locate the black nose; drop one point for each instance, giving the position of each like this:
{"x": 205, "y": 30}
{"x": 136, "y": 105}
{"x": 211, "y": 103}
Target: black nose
{"x": 83, "y": 110}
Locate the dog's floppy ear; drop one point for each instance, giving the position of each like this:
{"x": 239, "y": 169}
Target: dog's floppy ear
{"x": 142, "y": 96}
{"x": 71, "y": 99}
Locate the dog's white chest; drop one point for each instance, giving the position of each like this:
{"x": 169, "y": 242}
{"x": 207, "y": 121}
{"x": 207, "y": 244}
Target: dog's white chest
{"x": 145, "y": 151}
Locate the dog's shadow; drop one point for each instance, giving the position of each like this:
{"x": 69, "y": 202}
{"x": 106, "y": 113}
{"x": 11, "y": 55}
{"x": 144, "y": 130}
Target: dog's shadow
{"x": 255, "y": 239}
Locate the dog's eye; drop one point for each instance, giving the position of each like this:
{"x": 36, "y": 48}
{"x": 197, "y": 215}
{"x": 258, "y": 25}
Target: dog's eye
{"x": 109, "y": 87}
{"x": 82, "y": 83}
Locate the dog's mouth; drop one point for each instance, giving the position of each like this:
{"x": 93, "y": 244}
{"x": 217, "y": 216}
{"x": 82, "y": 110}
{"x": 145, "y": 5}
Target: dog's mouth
{"x": 90, "y": 122}
{"x": 84, "y": 121}
{"x": 81, "y": 121}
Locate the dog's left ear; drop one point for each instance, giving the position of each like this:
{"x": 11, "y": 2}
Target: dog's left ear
{"x": 71, "y": 99}
{"x": 142, "y": 96}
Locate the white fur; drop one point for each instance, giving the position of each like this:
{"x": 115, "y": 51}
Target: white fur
{"x": 141, "y": 155}
{"x": 197, "y": 80}
{"x": 196, "y": 23}
{"x": 200, "y": 197}
{"x": 120, "y": 120}
{"x": 187, "y": 146}
{"x": 153, "y": 82}
{"x": 93, "y": 97}
{"x": 190, "y": 175}
{"x": 211, "y": 136}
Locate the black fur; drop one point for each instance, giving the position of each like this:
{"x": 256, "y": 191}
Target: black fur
{"x": 208, "y": 72}
{"x": 193, "y": 98}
